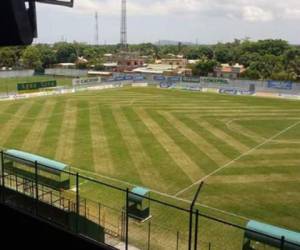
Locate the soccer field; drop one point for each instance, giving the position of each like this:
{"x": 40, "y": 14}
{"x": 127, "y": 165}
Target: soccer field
{"x": 246, "y": 149}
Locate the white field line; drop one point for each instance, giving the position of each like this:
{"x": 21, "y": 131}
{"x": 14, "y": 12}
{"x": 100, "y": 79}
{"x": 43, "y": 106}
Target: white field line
{"x": 128, "y": 184}
{"x": 74, "y": 189}
{"x": 237, "y": 158}
{"x": 228, "y": 123}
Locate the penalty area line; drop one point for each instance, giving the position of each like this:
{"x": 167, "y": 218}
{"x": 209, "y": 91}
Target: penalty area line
{"x": 237, "y": 158}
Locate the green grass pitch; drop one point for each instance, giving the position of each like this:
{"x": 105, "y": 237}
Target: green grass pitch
{"x": 247, "y": 149}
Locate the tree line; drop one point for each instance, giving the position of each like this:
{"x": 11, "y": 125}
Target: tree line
{"x": 263, "y": 59}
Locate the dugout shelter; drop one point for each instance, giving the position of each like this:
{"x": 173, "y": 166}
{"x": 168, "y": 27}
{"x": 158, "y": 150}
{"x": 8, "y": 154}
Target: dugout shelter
{"x": 139, "y": 207}
{"x": 264, "y": 236}
{"x": 29, "y": 166}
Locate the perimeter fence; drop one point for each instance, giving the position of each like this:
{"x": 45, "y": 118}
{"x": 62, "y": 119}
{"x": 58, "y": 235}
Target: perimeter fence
{"x": 102, "y": 211}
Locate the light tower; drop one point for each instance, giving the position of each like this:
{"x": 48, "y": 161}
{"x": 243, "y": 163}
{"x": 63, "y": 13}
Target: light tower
{"x": 96, "y": 29}
{"x": 124, "y": 26}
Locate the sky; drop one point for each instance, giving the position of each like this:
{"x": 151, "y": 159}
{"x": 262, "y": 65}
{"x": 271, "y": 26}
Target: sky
{"x": 197, "y": 21}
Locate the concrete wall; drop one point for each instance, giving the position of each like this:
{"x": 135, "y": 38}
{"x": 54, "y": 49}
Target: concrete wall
{"x": 16, "y": 73}
{"x": 260, "y": 86}
{"x": 66, "y": 72}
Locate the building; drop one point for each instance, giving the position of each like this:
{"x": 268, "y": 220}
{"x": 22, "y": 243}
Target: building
{"x": 108, "y": 57}
{"x": 128, "y": 61}
{"x": 171, "y": 66}
{"x": 163, "y": 69}
{"x": 110, "y": 66}
{"x": 155, "y": 69}
{"x": 65, "y": 66}
{"x": 94, "y": 73}
{"x": 123, "y": 62}
{"x": 228, "y": 71}
{"x": 176, "y": 62}
{"x": 193, "y": 62}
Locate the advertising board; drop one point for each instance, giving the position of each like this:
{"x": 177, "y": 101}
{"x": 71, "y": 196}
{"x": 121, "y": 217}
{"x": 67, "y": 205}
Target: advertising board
{"x": 173, "y": 79}
{"x": 286, "y": 85}
{"x": 236, "y": 92}
{"x": 36, "y": 85}
{"x": 214, "y": 80}
{"x": 159, "y": 78}
{"x": 86, "y": 81}
{"x": 138, "y": 78}
{"x": 191, "y": 79}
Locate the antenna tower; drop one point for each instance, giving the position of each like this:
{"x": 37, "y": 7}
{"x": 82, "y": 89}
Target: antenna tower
{"x": 96, "y": 29}
{"x": 124, "y": 25}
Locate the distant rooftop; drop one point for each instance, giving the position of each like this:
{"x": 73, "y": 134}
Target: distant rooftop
{"x": 155, "y": 69}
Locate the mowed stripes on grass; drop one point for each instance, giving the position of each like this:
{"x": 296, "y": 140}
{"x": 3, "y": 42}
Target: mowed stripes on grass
{"x": 166, "y": 140}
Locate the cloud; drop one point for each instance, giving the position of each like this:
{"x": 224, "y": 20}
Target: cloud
{"x": 253, "y": 14}
{"x": 150, "y": 20}
{"x": 244, "y": 10}
{"x": 139, "y": 7}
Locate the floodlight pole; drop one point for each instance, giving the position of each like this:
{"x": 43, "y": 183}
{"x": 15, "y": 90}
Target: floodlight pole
{"x": 191, "y": 214}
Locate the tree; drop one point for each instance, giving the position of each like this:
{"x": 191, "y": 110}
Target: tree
{"x": 8, "y": 57}
{"x": 284, "y": 76}
{"x": 89, "y": 53}
{"x": 267, "y": 66}
{"x": 198, "y": 52}
{"x": 274, "y": 47}
{"x": 247, "y": 58}
{"x": 31, "y": 58}
{"x": 48, "y": 56}
{"x": 294, "y": 67}
{"x": 65, "y": 52}
{"x": 251, "y": 74}
{"x": 204, "y": 67}
{"x": 224, "y": 54}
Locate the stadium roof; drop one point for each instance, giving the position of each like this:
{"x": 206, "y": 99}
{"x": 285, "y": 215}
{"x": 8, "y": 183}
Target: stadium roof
{"x": 30, "y": 159}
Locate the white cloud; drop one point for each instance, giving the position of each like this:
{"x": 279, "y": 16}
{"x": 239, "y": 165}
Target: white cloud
{"x": 139, "y": 7}
{"x": 248, "y": 10}
{"x": 253, "y": 13}
{"x": 150, "y": 20}
{"x": 292, "y": 13}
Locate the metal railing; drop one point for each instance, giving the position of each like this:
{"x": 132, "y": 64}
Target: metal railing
{"x": 106, "y": 206}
